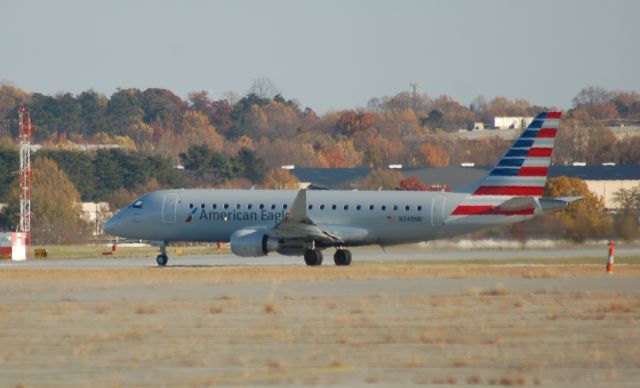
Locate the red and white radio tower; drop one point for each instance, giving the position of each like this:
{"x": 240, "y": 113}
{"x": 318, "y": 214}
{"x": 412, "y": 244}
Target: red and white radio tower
{"x": 24, "y": 138}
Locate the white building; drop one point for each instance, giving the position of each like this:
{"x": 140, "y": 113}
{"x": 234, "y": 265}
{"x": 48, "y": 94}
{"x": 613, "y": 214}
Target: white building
{"x": 95, "y": 214}
{"x": 603, "y": 180}
{"x": 506, "y": 122}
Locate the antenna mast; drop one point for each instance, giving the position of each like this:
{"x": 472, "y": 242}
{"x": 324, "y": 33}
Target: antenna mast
{"x": 24, "y": 139}
{"x": 414, "y": 86}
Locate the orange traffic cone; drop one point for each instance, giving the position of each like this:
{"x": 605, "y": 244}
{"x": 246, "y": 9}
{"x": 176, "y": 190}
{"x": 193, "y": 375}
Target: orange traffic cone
{"x": 612, "y": 250}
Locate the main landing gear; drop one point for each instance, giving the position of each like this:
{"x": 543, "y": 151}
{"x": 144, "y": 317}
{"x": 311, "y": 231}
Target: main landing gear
{"x": 342, "y": 257}
{"x": 162, "y": 258}
{"x": 314, "y": 257}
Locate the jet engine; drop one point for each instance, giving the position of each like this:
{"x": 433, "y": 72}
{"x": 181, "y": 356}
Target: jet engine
{"x": 252, "y": 243}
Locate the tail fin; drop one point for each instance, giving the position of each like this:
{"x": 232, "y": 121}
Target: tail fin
{"x": 517, "y": 181}
{"x": 523, "y": 170}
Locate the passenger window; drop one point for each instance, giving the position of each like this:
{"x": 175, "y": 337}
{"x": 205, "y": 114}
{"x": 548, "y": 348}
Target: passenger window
{"x": 419, "y": 208}
{"x": 383, "y": 207}
{"x": 370, "y": 207}
{"x": 202, "y": 206}
{"x": 395, "y": 207}
{"x": 285, "y": 206}
{"x": 237, "y": 206}
{"x": 215, "y": 206}
{"x": 333, "y": 207}
{"x": 407, "y": 208}
{"x": 226, "y": 205}
{"x": 358, "y": 207}
{"x": 346, "y": 207}
{"x": 190, "y": 206}
{"x": 261, "y": 206}
{"x": 138, "y": 204}
{"x": 249, "y": 206}
{"x": 273, "y": 207}
{"x": 321, "y": 207}
{"x": 310, "y": 207}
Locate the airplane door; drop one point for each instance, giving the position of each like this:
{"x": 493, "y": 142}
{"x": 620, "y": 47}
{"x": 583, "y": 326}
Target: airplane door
{"x": 437, "y": 211}
{"x": 169, "y": 208}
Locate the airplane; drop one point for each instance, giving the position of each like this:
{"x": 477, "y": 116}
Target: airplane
{"x": 306, "y": 222}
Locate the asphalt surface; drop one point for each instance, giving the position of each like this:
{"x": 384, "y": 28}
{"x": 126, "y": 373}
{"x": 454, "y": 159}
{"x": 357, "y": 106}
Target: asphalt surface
{"x": 227, "y": 320}
{"x": 364, "y": 254}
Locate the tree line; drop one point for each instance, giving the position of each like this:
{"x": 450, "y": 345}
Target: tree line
{"x": 97, "y": 175}
{"x": 411, "y": 129}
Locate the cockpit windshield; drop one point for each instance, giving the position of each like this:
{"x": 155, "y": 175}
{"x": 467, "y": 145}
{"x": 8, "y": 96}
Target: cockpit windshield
{"x": 137, "y": 204}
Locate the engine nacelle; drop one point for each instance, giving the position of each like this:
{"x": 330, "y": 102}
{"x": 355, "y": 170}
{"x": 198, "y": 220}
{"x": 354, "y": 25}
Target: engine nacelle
{"x": 252, "y": 243}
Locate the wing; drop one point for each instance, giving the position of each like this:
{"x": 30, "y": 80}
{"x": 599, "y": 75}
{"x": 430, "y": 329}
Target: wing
{"x": 298, "y": 226}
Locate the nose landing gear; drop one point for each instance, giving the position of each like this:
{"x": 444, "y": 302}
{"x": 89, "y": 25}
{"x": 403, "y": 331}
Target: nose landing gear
{"x": 162, "y": 258}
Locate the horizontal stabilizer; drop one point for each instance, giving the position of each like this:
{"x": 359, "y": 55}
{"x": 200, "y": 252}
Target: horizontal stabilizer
{"x": 518, "y": 204}
{"x": 550, "y": 205}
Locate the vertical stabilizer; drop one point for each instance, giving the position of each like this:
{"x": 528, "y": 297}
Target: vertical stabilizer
{"x": 524, "y": 168}
{"x": 522, "y": 172}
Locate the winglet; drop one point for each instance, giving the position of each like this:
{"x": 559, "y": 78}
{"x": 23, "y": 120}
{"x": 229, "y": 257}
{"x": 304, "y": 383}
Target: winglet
{"x": 298, "y": 210}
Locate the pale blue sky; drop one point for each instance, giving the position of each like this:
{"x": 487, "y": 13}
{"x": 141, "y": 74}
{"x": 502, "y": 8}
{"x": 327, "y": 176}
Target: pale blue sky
{"x": 327, "y": 54}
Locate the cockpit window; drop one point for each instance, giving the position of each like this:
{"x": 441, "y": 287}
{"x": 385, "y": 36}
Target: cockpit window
{"x": 137, "y": 204}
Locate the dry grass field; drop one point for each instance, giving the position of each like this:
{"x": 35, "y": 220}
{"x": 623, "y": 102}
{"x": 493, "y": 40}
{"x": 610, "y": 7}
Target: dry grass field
{"x": 563, "y": 325}
{"x": 84, "y": 251}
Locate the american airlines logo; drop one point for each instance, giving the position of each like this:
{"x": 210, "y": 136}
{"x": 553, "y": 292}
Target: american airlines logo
{"x": 190, "y": 218}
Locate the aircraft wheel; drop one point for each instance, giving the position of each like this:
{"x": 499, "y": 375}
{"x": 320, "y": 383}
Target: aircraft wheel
{"x": 342, "y": 257}
{"x": 162, "y": 260}
{"x": 313, "y": 257}
{"x": 349, "y": 256}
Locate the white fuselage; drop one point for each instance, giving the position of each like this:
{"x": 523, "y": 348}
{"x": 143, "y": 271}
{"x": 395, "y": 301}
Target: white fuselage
{"x": 363, "y": 217}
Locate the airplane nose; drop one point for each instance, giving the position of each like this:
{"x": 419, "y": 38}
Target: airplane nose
{"x": 111, "y": 225}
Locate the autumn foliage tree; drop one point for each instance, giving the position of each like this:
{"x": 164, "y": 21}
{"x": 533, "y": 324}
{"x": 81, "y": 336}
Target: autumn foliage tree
{"x": 414, "y": 184}
{"x": 382, "y": 179}
{"x": 402, "y": 128}
{"x": 351, "y": 122}
{"x": 435, "y": 155}
{"x": 280, "y": 179}
{"x": 627, "y": 219}
{"x": 56, "y": 206}
{"x": 583, "y": 219}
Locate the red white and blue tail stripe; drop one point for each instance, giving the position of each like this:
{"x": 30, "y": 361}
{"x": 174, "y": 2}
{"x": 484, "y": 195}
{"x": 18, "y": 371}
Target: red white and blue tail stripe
{"x": 522, "y": 172}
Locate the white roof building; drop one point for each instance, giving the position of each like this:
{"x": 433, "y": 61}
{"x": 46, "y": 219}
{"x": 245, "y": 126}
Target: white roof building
{"x": 511, "y": 122}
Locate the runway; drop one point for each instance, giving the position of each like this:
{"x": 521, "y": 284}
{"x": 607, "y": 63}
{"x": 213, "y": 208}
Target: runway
{"x": 203, "y": 322}
{"x": 361, "y": 255}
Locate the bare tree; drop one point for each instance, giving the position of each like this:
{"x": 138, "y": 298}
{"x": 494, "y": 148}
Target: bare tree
{"x": 231, "y": 96}
{"x": 264, "y": 87}
{"x": 593, "y": 95}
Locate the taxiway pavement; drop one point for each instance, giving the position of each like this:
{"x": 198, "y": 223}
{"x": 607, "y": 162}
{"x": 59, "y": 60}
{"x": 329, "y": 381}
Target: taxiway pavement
{"x": 398, "y": 254}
